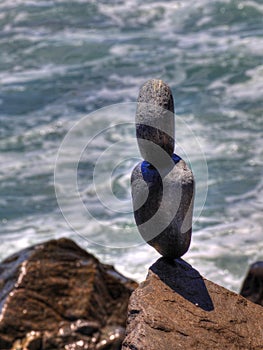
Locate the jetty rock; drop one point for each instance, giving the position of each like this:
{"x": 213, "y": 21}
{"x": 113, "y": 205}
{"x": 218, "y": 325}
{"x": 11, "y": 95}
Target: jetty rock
{"x": 176, "y": 308}
{"x": 57, "y": 296}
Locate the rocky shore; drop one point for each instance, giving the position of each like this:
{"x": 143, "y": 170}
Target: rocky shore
{"x": 57, "y": 296}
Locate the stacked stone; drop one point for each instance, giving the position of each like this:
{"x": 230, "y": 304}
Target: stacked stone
{"x": 162, "y": 184}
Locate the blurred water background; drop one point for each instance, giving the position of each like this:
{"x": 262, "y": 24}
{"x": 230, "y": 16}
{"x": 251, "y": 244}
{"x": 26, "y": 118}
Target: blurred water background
{"x": 61, "y": 60}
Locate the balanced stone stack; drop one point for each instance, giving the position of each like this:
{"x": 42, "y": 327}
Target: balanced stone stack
{"x": 176, "y": 308}
{"x": 162, "y": 184}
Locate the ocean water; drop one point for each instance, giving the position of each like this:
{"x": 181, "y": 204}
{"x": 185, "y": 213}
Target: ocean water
{"x": 72, "y": 71}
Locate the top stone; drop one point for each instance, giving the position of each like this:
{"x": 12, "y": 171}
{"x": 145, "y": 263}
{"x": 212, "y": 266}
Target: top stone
{"x": 155, "y": 120}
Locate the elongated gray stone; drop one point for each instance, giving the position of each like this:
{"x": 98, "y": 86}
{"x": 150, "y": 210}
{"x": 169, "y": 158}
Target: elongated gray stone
{"x": 155, "y": 119}
{"x": 162, "y": 185}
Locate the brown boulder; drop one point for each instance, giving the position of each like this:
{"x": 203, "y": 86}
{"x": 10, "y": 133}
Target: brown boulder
{"x": 252, "y": 288}
{"x": 175, "y": 308}
{"x": 55, "y": 295}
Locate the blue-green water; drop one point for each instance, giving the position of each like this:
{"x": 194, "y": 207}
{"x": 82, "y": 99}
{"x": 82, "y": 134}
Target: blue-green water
{"x": 61, "y": 60}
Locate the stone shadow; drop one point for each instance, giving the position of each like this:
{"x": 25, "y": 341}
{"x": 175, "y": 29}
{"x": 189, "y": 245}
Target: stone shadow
{"x": 184, "y": 280}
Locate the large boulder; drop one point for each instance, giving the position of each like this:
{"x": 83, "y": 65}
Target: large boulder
{"x": 175, "y": 308}
{"x": 55, "y": 295}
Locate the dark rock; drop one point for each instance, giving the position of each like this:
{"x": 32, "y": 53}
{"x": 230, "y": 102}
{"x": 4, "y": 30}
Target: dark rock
{"x": 55, "y": 295}
{"x": 175, "y": 308}
{"x": 252, "y": 288}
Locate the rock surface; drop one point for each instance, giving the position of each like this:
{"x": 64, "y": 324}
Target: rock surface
{"x": 252, "y": 288}
{"x": 55, "y": 296}
{"x": 175, "y": 308}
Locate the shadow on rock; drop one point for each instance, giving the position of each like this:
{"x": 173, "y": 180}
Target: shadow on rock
{"x": 184, "y": 280}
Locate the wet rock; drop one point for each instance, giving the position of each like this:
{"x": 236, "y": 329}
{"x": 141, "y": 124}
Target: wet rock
{"x": 252, "y": 288}
{"x": 55, "y": 295}
{"x": 175, "y": 308}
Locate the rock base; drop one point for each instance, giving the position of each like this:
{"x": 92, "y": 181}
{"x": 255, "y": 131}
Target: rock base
{"x": 56, "y": 296}
{"x": 175, "y": 308}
